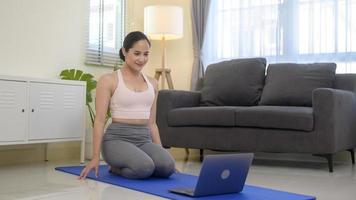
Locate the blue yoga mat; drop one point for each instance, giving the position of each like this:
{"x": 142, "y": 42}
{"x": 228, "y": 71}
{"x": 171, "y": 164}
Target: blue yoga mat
{"x": 159, "y": 186}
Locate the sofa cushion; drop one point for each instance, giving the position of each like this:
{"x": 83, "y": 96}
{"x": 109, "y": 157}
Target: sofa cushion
{"x": 292, "y": 84}
{"x": 202, "y": 116}
{"x": 237, "y": 82}
{"x": 278, "y": 117}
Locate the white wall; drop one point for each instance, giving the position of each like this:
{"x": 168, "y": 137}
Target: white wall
{"x": 40, "y": 38}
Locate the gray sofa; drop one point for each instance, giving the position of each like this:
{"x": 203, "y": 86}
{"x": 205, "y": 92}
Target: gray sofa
{"x": 291, "y": 108}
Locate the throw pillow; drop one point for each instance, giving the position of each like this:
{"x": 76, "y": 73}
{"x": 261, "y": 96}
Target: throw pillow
{"x": 237, "y": 82}
{"x": 292, "y": 84}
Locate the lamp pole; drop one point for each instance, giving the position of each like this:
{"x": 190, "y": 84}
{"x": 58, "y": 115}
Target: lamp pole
{"x": 163, "y": 44}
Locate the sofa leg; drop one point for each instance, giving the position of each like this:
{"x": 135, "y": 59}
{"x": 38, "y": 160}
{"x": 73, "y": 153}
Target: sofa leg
{"x": 329, "y": 158}
{"x": 352, "y": 155}
{"x": 201, "y": 153}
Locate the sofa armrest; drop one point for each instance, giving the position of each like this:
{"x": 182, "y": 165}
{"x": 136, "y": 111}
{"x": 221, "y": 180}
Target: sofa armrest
{"x": 170, "y": 99}
{"x": 334, "y": 119}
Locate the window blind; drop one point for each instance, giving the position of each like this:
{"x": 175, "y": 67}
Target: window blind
{"x": 106, "y": 29}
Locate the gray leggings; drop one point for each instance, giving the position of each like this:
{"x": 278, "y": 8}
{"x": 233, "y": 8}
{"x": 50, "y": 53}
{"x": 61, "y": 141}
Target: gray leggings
{"x": 129, "y": 151}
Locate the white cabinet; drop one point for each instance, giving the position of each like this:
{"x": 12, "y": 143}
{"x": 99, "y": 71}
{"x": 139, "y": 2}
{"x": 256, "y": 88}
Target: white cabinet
{"x": 13, "y": 115}
{"x": 55, "y": 111}
{"x": 41, "y": 111}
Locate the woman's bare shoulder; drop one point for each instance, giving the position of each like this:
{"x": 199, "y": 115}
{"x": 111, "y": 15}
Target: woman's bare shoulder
{"x": 107, "y": 80}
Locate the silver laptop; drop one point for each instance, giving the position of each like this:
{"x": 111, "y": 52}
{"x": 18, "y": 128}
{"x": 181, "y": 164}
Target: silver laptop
{"x": 220, "y": 174}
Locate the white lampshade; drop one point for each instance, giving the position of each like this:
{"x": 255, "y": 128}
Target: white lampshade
{"x": 164, "y": 21}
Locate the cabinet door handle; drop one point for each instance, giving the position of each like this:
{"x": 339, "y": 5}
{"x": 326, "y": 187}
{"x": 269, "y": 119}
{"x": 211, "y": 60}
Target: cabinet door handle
{"x": 33, "y": 110}
{"x": 23, "y": 110}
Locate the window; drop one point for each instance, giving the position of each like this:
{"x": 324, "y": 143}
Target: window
{"x": 106, "y": 32}
{"x": 283, "y": 31}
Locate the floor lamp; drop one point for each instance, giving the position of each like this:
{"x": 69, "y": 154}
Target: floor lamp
{"x": 163, "y": 23}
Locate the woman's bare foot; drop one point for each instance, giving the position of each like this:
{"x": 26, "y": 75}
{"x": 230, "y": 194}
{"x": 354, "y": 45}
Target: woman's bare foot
{"x": 114, "y": 170}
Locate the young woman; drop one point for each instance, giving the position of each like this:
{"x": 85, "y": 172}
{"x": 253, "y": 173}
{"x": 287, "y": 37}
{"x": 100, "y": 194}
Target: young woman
{"x": 131, "y": 144}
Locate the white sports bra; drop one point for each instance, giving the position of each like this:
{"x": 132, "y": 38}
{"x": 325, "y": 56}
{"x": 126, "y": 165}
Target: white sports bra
{"x": 128, "y": 104}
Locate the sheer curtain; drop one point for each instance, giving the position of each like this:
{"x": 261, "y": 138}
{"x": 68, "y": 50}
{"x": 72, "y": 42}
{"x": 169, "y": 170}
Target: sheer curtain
{"x": 283, "y": 31}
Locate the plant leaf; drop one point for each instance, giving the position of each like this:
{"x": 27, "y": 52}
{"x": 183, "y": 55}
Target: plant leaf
{"x": 78, "y": 74}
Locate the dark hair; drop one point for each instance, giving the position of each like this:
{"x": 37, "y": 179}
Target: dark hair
{"x": 131, "y": 39}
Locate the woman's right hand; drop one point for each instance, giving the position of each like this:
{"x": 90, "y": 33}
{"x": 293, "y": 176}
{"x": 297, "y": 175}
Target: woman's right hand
{"x": 93, "y": 164}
